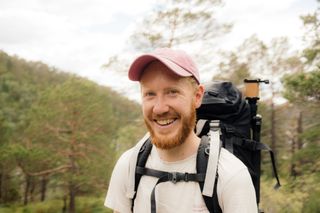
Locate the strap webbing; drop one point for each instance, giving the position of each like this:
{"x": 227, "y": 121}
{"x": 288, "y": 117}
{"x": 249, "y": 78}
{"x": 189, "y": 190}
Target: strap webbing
{"x": 143, "y": 155}
{"x": 132, "y": 166}
{"x": 167, "y": 176}
{"x": 213, "y": 158}
{"x": 216, "y": 206}
{"x": 256, "y": 146}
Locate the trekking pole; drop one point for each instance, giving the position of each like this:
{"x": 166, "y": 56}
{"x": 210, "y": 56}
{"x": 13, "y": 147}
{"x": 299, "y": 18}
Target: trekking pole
{"x": 252, "y": 96}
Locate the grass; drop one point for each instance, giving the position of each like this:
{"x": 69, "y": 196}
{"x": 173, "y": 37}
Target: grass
{"x": 83, "y": 205}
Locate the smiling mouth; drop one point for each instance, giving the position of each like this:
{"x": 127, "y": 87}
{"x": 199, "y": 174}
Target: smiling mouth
{"x": 165, "y": 122}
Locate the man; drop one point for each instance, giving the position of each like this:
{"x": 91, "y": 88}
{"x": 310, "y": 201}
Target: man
{"x": 171, "y": 92}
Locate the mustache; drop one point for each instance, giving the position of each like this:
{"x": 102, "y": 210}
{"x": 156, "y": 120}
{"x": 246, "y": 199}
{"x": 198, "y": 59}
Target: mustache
{"x": 166, "y": 115}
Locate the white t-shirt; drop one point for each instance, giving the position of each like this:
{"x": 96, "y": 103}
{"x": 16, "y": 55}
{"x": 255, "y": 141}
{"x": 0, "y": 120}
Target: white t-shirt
{"x": 235, "y": 189}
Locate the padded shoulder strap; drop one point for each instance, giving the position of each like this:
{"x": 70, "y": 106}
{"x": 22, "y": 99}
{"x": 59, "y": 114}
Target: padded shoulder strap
{"x": 202, "y": 167}
{"x": 202, "y": 163}
{"x": 141, "y": 160}
{"x": 215, "y": 147}
{"x": 132, "y": 166}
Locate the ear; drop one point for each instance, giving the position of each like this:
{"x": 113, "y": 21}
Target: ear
{"x": 199, "y": 95}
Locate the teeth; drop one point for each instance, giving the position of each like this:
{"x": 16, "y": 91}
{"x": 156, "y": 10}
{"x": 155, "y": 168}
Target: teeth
{"x": 165, "y": 122}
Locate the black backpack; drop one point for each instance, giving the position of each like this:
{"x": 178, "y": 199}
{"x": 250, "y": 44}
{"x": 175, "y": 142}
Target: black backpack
{"x": 223, "y": 108}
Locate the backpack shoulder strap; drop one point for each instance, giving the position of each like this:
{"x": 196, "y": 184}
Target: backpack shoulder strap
{"x": 203, "y": 156}
{"x": 132, "y": 165}
{"x": 142, "y": 158}
{"x": 213, "y": 159}
{"x": 201, "y": 164}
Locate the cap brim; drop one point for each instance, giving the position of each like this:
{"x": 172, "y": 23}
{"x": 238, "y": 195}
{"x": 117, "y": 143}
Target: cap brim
{"x": 137, "y": 67}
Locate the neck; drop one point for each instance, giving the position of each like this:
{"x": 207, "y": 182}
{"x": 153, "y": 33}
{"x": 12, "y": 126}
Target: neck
{"x": 183, "y": 151}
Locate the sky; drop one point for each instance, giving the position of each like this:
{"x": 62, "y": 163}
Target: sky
{"x": 79, "y": 36}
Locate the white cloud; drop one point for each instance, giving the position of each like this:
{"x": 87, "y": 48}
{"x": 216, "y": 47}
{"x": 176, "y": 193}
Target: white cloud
{"x": 74, "y": 35}
{"x": 266, "y": 19}
{"x": 80, "y": 35}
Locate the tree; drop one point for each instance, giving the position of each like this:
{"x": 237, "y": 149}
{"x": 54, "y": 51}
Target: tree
{"x": 71, "y": 121}
{"x": 312, "y": 37}
{"x": 303, "y": 89}
{"x": 179, "y": 22}
{"x": 15, "y": 99}
{"x": 176, "y": 23}
{"x": 233, "y": 69}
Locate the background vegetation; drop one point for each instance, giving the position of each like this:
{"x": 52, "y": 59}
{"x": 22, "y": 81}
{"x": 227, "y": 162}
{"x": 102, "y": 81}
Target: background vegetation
{"x": 60, "y": 134}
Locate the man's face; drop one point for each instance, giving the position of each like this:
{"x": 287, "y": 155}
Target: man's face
{"x": 169, "y": 105}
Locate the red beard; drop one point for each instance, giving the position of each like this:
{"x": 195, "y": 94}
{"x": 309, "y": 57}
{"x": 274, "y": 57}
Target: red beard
{"x": 165, "y": 142}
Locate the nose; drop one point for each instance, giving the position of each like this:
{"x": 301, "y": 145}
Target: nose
{"x": 160, "y": 107}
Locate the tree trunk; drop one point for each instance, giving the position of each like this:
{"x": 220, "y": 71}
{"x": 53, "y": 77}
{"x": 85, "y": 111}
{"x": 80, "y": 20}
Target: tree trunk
{"x": 44, "y": 182}
{"x": 5, "y": 187}
{"x": 299, "y": 130}
{"x": 72, "y": 188}
{"x": 299, "y": 141}
{"x": 0, "y": 187}
{"x": 72, "y": 196}
{"x": 26, "y": 191}
{"x": 32, "y": 188}
{"x": 64, "y": 208}
{"x": 293, "y": 172}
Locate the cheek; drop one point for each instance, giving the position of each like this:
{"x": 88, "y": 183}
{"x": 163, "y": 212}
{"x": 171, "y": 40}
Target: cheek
{"x": 146, "y": 109}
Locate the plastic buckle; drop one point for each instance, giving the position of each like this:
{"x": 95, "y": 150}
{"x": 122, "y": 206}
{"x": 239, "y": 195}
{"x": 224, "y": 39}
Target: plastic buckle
{"x": 186, "y": 177}
{"x": 174, "y": 178}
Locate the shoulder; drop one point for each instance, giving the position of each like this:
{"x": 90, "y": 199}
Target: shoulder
{"x": 124, "y": 159}
{"x": 121, "y": 167}
{"x": 117, "y": 191}
{"x": 229, "y": 163}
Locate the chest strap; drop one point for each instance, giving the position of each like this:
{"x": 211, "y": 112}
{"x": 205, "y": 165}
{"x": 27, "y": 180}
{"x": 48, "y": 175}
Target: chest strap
{"x": 163, "y": 176}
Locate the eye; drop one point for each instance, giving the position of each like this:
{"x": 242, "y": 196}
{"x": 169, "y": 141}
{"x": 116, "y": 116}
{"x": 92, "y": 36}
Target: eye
{"x": 149, "y": 94}
{"x": 173, "y": 92}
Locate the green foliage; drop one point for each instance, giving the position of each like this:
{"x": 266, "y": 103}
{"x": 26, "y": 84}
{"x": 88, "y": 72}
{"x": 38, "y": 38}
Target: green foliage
{"x": 303, "y": 86}
{"x": 311, "y": 22}
{"x": 311, "y": 204}
{"x": 282, "y": 200}
{"x": 86, "y": 205}
{"x": 59, "y": 128}
{"x": 77, "y": 122}
{"x": 128, "y": 135}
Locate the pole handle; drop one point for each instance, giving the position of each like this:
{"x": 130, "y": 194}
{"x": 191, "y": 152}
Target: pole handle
{"x": 252, "y": 87}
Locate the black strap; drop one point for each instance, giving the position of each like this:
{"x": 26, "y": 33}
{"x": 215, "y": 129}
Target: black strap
{"x": 258, "y": 146}
{"x": 216, "y": 206}
{"x": 202, "y": 163}
{"x": 171, "y": 176}
{"x": 163, "y": 176}
{"x": 141, "y": 162}
{"x": 229, "y": 141}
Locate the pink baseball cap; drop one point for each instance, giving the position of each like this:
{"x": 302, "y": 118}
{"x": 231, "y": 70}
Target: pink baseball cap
{"x": 176, "y": 60}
